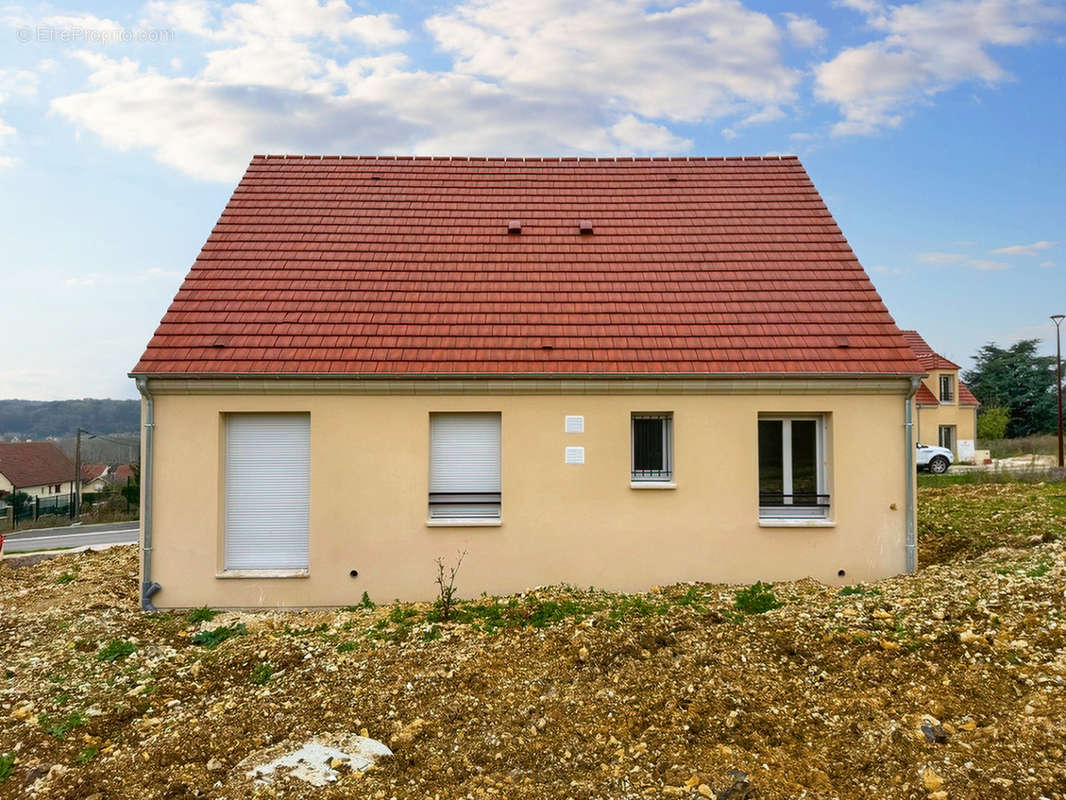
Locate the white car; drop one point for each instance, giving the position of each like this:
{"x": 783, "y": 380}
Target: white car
{"x": 934, "y": 459}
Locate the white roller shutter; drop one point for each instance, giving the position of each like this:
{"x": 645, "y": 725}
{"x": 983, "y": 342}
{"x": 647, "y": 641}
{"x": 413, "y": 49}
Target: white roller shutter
{"x": 268, "y": 491}
{"x": 464, "y": 465}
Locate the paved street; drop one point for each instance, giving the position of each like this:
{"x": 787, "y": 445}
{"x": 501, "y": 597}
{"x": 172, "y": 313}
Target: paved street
{"x": 71, "y": 536}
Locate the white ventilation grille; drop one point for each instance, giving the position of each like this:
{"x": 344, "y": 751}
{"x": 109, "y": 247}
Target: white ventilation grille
{"x": 575, "y": 424}
{"x": 268, "y": 491}
{"x": 575, "y": 455}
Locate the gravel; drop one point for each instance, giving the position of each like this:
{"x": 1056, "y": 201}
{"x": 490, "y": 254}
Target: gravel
{"x": 949, "y": 683}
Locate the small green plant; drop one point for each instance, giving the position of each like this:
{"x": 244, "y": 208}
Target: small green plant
{"x": 201, "y": 614}
{"x": 216, "y": 636}
{"x": 65, "y": 578}
{"x": 87, "y": 755}
{"x": 858, "y": 590}
{"x": 7, "y": 765}
{"x": 116, "y": 650}
{"x": 756, "y": 599}
{"x": 59, "y": 728}
{"x": 262, "y": 672}
{"x": 432, "y": 633}
{"x": 347, "y": 647}
{"x": 366, "y": 602}
{"x": 1039, "y": 571}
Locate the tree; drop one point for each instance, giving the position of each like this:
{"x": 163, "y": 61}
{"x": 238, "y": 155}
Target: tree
{"x": 1020, "y": 381}
{"x": 992, "y": 423}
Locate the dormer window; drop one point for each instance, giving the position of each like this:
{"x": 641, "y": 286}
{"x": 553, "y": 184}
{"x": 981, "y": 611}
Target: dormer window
{"x": 947, "y": 388}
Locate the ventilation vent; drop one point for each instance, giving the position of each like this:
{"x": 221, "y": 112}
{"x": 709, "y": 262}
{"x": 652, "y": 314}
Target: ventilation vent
{"x": 514, "y": 226}
{"x": 221, "y": 341}
{"x": 843, "y": 342}
{"x": 585, "y": 225}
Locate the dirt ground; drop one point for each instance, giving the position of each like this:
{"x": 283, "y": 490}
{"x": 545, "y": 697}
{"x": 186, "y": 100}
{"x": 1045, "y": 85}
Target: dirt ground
{"x": 811, "y": 691}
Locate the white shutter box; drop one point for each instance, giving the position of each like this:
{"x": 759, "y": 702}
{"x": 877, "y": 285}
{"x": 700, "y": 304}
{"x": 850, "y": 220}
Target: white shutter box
{"x": 267, "y": 491}
{"x": 464, "y": 466}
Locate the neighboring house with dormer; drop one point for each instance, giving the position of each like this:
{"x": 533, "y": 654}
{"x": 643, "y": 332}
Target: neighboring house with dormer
{"x": 94, "y": 477}
{"x": 945, "y": 408}
{"x": 37, "y": 468}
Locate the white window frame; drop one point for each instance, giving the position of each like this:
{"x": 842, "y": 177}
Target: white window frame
{"x": 788, "y": 511}
{"x": 665, "y": 478}
{"x": 264, "y": 570}
{"x": 438, "y": 515}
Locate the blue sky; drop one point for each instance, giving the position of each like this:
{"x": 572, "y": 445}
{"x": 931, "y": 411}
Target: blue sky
{"x": 934, "y": 130}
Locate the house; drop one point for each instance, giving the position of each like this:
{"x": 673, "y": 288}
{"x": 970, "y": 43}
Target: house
{"x": 945, "y": 409}
{"x": 38, "y": 469}
{"x": 94, "y": 477}
{"x": 609, "y": 372}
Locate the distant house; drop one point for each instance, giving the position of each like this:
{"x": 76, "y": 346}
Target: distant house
{"x": 122, "y": 475}
{"x": 945, "y": 408}
{"x": 94, "y": 477}
{"x": 610, "y": 372}
{"x": 37, "y": 468}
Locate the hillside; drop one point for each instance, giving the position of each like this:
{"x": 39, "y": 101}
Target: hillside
{"x": 947, "y": 683}
{"x": 37, "y": 419}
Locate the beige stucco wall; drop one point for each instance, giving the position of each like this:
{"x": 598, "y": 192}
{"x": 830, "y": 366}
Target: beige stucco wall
{"x": 929, "y": 419}
{"x": 580, "y": 524}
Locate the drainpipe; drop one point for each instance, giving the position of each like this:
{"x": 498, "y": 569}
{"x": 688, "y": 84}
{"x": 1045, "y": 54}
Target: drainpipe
{"x": 148, "y": 586}
{"x": 908, "y": 442}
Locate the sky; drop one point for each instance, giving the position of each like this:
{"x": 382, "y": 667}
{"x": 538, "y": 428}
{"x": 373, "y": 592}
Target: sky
{"x": 934, "y": 130}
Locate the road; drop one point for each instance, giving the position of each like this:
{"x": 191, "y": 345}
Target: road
{"x": 71, "y": 536}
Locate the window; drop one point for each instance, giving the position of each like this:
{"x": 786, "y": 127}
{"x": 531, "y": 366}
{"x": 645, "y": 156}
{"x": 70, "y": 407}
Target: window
{"x": 791, "y": 467}
{"x": 464, "y": 466}
{"x": 947, "y": 437}
{"x": 652, "y": 447}
{"x": 947, "y": 388}
{"x": 267, "y": 491}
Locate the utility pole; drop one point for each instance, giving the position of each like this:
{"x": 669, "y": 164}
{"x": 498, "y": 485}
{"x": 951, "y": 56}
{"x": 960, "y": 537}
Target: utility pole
{"x": 1057, "y": 319}
{"x": 77, "y": 476}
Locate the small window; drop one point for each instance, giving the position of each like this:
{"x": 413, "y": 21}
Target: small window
{"x": 652, "y": 447}
{"x": 947, "y": 388}
{"x": 464, "y": 466}
{"x": 792, "y": 467}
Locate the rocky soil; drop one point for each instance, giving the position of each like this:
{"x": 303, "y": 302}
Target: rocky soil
{"x": 949, "y": 683}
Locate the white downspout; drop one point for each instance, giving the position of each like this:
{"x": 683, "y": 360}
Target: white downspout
{"x": 148, "y": 586}
{"x": 908, "y": 443}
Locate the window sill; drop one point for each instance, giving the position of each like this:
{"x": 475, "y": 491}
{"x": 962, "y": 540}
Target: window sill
{"x": 769, "y": 522}
{"x": 464, "y": 523}
{"x": 264, "y": 573}
{"x": 652, "y": 485}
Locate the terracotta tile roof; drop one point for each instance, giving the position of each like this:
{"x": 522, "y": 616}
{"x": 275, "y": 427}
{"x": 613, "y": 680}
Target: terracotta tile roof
{"x": 90, "y": 472}
{"x": 122, "y": 473}
{"x": 405, "y": 266}
{"x": 27, "y": 464}
{"x": 966, "y": 397}
{"x": 927, "y": 357}
{"x": 924, "y": 397}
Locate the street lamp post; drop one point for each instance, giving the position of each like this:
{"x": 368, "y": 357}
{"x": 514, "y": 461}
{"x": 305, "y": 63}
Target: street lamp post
{"x": 1057, "y": 319}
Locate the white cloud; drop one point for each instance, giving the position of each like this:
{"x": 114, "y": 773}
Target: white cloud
{"x": 1047, "y": 263}
{"x": 606, "y": 78}
{"x": 936, "y": 257}
{"x": 804, "y": 31}
{"x": 20, "y": 83}
{"x": 886, "y": 270}
{"x": 275, "y": 20}
{"x": 689, "y": 61}
{"x": 1023, "y": 249}
{"x": 987, "y": 265}
{"x": 927, "y": 47}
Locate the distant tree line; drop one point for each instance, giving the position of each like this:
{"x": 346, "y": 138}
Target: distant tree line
{"x": 35, "y": 419}
{"x": 1016, "y": 388}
